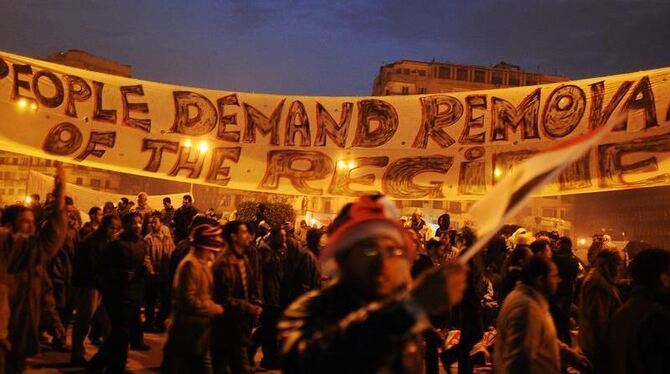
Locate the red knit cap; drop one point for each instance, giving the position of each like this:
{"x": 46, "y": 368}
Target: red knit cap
{"x": 369, "y": 217}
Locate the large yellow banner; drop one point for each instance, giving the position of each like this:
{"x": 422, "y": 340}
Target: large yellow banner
{"x": 443, "y": 146}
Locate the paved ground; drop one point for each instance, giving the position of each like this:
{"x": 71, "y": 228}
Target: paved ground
{"x": 138, "y": 362}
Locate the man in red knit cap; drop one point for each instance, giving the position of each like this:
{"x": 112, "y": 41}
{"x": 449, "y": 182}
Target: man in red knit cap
{"x": 371, "y": 318}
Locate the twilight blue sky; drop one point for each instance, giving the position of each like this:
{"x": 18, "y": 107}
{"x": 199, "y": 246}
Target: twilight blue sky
{"x": 336, "y": 47}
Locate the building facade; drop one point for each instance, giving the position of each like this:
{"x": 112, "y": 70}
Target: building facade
{"x": 408, "y": 77}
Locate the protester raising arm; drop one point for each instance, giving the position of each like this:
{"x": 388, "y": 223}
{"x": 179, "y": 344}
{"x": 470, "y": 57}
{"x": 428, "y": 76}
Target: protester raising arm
{"x": 49, "y": 239}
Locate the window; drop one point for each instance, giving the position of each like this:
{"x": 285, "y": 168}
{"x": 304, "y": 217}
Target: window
{"x": 327, "y": 205}
{"x": 387, "y": 92}
{"x": 405, "y": 71}
{"x": 398, "y": 71}
{"x": 497, "y": 77}
{"x": 548, "y": 212}
{"x": 2, "y": 191}
{"x": 443, "y": 72}
{"x": 405, "y": 90}
{"x": 95, "y": 183}
{"x": 462, "y": 74}
{"x": 416, "y": 203}
{"x": 15, "y": 161}
{"x": 423, "y": 90}
{"x": 80, "y": 181}
{"x": 514, "y": 79}
{"x": 455, "y": 207}
{"x": 422, "y": 73}
{"x": 3, "y": 160}
{"x": 10, "y": 191}
{"x": 438, "y": 204}
{"x": 107, "y": 183}
{"x": 531, "y": 80}
{"x": 480, "y": 76}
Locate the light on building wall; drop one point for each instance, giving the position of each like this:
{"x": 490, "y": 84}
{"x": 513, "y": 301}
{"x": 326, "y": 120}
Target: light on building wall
{"x": 22, "y": 103}
{"x": 341, "y": 165}
{"x": 582, "y": 242}
{"x": 352, "y": 164}
{"x": 33, "y": 106}
{"x": 28, "y": 199}
{"x": 187, "y": 143}
{"x": 497, "y": 173}
{"x": 203, "y": 147}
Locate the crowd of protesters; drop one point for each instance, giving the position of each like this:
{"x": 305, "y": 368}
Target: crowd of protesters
{"x": 372, "y": 292}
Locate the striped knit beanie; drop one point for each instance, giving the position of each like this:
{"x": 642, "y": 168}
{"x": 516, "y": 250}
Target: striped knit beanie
{"x": 207, "y": 236}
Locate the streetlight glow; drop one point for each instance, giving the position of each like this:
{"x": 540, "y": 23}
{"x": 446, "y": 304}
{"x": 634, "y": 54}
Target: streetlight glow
{"x": 203, "y": 147}
{"x": 497, "y": 173}
{"x": 33, "y": 106}
{"x": 341, "y": 165}
{"x": 22, "y": 103}
{"x": 352, "y": 164}
{"x": 187, "y": 143}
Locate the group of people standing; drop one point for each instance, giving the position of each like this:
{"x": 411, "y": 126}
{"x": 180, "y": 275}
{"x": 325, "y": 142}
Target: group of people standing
{"x": 372, "y": 292}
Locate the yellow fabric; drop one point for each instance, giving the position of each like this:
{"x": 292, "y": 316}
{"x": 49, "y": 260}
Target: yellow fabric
{"x": 442, "y": 146}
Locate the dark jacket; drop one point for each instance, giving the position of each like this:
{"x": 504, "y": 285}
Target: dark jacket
{"x": 229, "y": 291}
{"x": 640, "y": 336}
{"x": 302, "y": 274}
{"x": 182, "y": 220}
{"x": 334, "y": 331}
{"x": 272, "y": 265}
{"x": 85, "y": 260}
{"x": 598, "y": 301}
{"x": 122, "y": 270}
{"x": 568, "y": 270}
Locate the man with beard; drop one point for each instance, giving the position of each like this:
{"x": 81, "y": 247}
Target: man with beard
{"x": 87, "y": 298}
{"x": 371, "y": 318}
{"x": 122, "y": 271}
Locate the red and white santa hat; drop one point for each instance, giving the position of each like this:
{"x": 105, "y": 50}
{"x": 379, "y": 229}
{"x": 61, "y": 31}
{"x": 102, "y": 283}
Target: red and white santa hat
{"x": 368, "y": 217}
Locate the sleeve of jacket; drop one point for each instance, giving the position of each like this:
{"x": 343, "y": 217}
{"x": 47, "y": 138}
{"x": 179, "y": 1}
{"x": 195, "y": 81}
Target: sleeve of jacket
{"x": 224, "y": 295}
{"x": 654, "y": 343}
{"x": 368, "y": 337}
{"x": 187, "y": 289}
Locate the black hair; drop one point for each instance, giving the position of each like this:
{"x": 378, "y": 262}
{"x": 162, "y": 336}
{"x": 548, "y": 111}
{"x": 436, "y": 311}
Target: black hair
{"x": 539, "y": 245}
{"x": 35, "y": 197}
{"x": 564, "y": 244}
{"x": 69, "y": 200}
{"x": 94, "y": 210}
{"x": 232, "y": 227}
{"x": 108, "y": 219}
{"x": 11, "y": 214}
{"x": 537, "y": 266}
{"x": 648, "y": 266}
{"x": 446, "y": 217}
{"x": 167, "y": 200}
{"x": 128, "y": 218}
{"x": 189, "y": 198}
{"x": 312, "y": 240}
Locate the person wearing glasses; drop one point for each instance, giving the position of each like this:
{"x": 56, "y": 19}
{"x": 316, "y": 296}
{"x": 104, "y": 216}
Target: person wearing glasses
{"x": 371, "y": 318}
